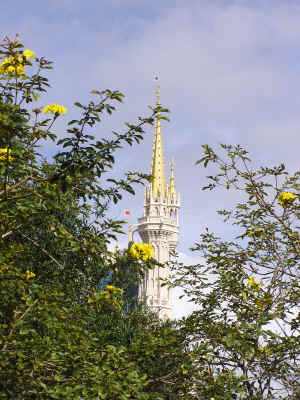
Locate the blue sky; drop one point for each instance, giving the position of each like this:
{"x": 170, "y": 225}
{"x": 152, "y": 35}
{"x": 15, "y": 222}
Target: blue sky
{"x": 229, "y": 72}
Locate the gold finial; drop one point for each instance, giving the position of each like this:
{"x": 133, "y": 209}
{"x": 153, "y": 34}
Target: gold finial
{"x": 158, "y": 94}
{"x": 158, "y": 169}
{"x": 172, "y": 179}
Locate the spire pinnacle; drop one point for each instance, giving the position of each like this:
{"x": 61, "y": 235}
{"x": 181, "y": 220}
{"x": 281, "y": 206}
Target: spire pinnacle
{"x": 158, "y": 94}
{"x": 158, "y": 169}
{"x": 172, "y": 179}
{"x": 130, "y": 236}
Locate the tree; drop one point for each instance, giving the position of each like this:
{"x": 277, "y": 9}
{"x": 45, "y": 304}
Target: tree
{"x": 244, "y": 337}
{"x": 62, "y": 337}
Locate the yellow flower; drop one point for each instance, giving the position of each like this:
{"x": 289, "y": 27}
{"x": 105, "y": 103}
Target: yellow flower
{"x": 184, "y": 371}
{"x": 12, "y": 65}
{"x": 4, "y": 65}
{"x": 28, "y": 53}
{"x": 286, "y": 198}
{"x": 90, "y": 300}
{"x": 20, "y": 69}
{"x": 10, "y": 69}
{"x": 111, "y": 288}
{"x": 253, "y": 284}
{"x": 5, "y": 154}
{"x": 141, "y": 251}
{"x": 55, "y": 109}
{"x": 29, "y": 274}
{"x": 251, "y": 281}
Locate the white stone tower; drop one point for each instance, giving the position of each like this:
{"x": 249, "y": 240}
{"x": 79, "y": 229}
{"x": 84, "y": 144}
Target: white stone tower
{"x": 159, "y": 226}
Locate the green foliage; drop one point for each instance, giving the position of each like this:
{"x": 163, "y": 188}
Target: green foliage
{"x": 245, "y": 336}
{"x": 61, "y": 337}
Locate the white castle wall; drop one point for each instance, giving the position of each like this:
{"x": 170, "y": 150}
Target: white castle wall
{"x": 159, "y": 226}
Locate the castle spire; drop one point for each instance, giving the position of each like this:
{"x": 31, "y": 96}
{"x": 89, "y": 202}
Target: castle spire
{"x": 172, "y": 179}
{"x": 158, "y": 169}
{"x": 159, "y": 226}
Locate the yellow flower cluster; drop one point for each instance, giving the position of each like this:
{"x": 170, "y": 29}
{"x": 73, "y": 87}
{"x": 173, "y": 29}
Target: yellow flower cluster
{"x": 29, "y": 275}
{"x": 286, "y": 198}
{"x": 111, "y": 288}
{"x": 253, "y": 284}
{"x": 55, "y": 109}
{"x": 141, "y": 251}
{"x": 5, "y": 154}
{"x": 15, "y": 64}
{"x": 28, "y": 54}
{"x": 12, "y": 65}
{"x": 108, "y": 294}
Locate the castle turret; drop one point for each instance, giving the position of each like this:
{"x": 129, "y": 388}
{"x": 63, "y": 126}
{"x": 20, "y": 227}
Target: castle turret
{"x": 159, "y": 226}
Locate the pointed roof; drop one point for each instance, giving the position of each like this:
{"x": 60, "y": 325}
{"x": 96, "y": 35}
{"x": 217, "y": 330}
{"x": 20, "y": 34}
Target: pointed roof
{"x": 158, "y": 168}
{"x": 172, "y": 179}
